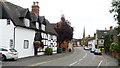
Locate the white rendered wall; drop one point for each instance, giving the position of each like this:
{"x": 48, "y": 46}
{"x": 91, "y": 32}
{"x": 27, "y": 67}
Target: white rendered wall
{"x": 6, "y": 33}
{"x": 92, "y": 42}
{"x": 21, "y": 35}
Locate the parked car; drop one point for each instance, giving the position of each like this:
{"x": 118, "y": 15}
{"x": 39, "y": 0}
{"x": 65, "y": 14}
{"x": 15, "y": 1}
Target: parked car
{"x": 92, "y": 50}
{"x": 97, "y": 52}
{"x": 8, "y": 53}
{"x": 86, "y": 48}
{"x": 90, "y": 47}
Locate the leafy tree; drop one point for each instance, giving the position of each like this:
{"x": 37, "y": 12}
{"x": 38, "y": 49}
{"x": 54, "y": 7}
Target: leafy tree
{"x": 64, "y": 30}
{"x": 115, "y": 9}
{"x": 107, "y": 41}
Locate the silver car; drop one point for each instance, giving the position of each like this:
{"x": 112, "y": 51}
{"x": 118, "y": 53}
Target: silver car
{"x": 8, "y": 53}
{"x": 97, "y": 52}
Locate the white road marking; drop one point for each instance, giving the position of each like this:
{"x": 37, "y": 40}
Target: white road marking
{"x": 73, "y": 63}
{"x": 85, "y": 55}
{"x": 99, "y": 64}
{"x": 79, "y": 59}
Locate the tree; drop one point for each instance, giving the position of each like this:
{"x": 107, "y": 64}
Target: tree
{"x": 107, "y": 41}
{"x": 115, "y": 9}
{"x": 64, "y": 30}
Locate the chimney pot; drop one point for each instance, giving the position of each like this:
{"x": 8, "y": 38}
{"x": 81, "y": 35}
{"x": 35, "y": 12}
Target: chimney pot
{"x": 37, "y": 2}
{"x": 33, "y": 3}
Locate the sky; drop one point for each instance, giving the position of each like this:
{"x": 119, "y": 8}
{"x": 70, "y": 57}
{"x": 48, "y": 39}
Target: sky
{"x": 91, "y": 14}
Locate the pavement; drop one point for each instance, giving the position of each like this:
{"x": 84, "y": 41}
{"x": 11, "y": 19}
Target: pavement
{"x": 28, "y": 61}
{"x": 109, "y": 59}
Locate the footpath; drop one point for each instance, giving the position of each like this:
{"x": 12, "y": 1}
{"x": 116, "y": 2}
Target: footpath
{"x": 110, "y": 61}
{"x": 34, "y": 59}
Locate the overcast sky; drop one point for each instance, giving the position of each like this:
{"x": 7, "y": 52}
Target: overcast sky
{"x": 91, "y": 14}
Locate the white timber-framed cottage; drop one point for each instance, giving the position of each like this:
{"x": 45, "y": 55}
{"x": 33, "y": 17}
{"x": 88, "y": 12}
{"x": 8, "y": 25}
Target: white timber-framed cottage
{"x": 19, "y": 28}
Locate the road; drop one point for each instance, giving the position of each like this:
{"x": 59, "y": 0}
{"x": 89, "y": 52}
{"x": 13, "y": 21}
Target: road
{"x": 79, "y": 57}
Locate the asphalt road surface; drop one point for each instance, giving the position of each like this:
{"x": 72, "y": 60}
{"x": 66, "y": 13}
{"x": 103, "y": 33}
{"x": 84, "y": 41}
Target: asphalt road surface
{"x": 79, "y": 57}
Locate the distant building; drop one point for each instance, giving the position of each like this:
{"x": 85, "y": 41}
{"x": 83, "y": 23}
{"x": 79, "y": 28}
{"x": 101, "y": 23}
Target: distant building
{"x": 76, "y": 42}
{"x": 99, "y": 39}
{"x": 91, "y": 41}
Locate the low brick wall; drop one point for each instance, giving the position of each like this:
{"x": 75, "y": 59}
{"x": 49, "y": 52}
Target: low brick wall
{"x": 113, "y": 54}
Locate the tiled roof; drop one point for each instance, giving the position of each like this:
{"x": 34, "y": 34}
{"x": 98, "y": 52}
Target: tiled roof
{"x": 101, "y": 33}
{"x": 49, "y": 28}
{"x": 17, "y": 14}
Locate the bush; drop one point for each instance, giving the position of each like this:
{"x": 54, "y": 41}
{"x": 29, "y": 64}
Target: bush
{"x": 48, "y": 50}
{"x": 37, "y": 43}
{"x": 114, "y": 47}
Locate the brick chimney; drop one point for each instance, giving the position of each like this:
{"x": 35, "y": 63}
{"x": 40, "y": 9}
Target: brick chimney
{"x": 35, "y": 8}
{"x": 110, "y": 29}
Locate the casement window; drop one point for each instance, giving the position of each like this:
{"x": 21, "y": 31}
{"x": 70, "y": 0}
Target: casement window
{"x": 49, "y": 37}
{"x": 8, "y": 21}
{"x": 43, "y": 42}
{"x": 26, "y": 44}
{"x": 11, "y": 43}
{"x": 102, "y": 41}
{"x": 27, "y": 22}
{"x": 46, "y": 37}
{"x": 43, "y": 27}
{"x": 37, "y": 25}
{"x": 42, "y": 34}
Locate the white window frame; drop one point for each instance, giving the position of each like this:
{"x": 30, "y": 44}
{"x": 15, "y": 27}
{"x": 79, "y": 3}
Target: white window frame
{"x": 49, "y": 37}
{"x": 37, "y": 25}
{"x": 42, "y": 34}
{"x": 11, "y": 43}
{"x": 102, "y": 41}
{"x": 43, "y": 27}
{"x": 27, "y": 22}
{"x": 26, "y": 44}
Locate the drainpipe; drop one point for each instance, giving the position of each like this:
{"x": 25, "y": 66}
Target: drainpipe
{"x": 14, "y": 36}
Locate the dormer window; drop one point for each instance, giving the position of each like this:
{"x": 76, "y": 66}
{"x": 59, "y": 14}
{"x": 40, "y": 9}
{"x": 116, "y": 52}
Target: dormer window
{"x": 37, "y": 25}
{"x": 27, "y": 22}
{"x": 43, "y": 27}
